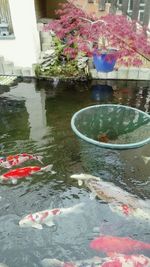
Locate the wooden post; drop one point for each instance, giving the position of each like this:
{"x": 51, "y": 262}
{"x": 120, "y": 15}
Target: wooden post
{"x": 113, "y": 7}
{"x": 102, "y": 5}
{"x": 135, "y": 11}
{"x": 125, "y": 7}
{"x": 146, "y": 18}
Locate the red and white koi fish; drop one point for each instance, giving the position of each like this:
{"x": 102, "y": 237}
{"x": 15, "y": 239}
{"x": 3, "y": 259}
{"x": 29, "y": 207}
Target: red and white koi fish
{"x": 20, "y": 173}
{"x": 127, "y": 261}
{"x": 119, "y": 199}
{"x": 13, "y": 160}
{"x": 114, "y": 244}
{"x": 46, "y": 217}
{"x": 129, "y": 211}
{"x": 117, "y": 260}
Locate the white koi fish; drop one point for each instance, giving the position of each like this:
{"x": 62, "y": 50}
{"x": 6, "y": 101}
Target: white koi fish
{"x": 93, "y": 262}
{"x": 119, "y": 199}
{"x": 146, "y": 159}
{"x": 46, "y": 217}
{"x": 13, "y": 160}
{"x": 3, "y": 265}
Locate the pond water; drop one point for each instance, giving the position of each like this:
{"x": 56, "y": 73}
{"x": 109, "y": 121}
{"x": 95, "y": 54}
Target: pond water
{"x": 35, "y": 119}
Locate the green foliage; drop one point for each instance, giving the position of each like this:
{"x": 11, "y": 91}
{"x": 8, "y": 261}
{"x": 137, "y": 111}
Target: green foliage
{"x": 68, "y": 69}
{"x": 55, "y": 62}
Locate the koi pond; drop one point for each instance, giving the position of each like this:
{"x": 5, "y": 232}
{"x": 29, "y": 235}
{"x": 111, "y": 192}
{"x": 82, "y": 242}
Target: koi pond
{"x": 35, "y": 119}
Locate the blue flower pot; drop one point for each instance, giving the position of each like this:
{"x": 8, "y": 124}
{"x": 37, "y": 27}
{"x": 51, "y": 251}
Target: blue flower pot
{"x": 104, "y": 62}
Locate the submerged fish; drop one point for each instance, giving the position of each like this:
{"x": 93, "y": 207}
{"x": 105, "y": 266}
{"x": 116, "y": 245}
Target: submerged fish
{"x": 113, "y": 244}
{"x": 103, "y": 138}
{"x": 13, "y": 160}
{"x": 140, "y": 213}
{"x": 120, "y": 199}
{"x": 127, "y": 261}
{"x": 20, "y": 173}
{"x": 3, "y": 265}
{"x": 117, "y": 260}
{"x": 93, "y": 262}
{"x": 46, "y": 217}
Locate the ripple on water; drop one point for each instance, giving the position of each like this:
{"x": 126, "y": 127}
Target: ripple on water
{"x": 69, "y": 238}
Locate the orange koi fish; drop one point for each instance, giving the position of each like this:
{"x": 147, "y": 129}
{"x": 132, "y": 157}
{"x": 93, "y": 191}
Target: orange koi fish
{"x": 20, "y": 173}
{"x": 103, "y": 138}
{"x": 113, "y": 244}
{"x": 13, "y": 160}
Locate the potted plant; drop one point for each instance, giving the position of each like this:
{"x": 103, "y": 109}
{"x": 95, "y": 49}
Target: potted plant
{"x": 104, "y": 57}
{"x": 93, "y": 36}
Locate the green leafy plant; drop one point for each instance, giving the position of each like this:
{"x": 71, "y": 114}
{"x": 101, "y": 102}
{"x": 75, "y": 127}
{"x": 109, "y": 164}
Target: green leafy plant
{"x": 55, "y": 62}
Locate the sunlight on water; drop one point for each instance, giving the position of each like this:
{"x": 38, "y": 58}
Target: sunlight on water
{"x": 35, "y": 119}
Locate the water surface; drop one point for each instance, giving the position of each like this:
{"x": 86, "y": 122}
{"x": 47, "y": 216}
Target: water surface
{"x": 35, "y": 118}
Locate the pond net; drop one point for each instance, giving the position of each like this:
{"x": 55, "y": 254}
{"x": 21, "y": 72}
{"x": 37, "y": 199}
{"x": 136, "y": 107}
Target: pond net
{"x": 112, "y": 126}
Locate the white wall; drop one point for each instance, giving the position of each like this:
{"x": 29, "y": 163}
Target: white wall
{"x": 25, "y": 48}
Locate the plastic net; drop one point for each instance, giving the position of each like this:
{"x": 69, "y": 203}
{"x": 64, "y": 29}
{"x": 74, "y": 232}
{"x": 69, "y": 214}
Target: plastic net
{"x": 112, "y": 126}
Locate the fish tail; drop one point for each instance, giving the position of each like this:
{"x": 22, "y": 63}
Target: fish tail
{"x": 146, "y": 246}
{"x": 77, "y": 208}
{"x": 47, "y": 168}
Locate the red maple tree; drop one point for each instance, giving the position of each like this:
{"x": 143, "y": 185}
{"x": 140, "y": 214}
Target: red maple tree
{"x": 83, "y": 32}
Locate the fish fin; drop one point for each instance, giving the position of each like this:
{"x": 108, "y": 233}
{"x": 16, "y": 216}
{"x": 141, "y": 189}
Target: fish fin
{"x": 14, "y": 181}
{"x": 49, "y": 223}
{"x": 80, "y": 182}
{"x": 92, "y": 195}
{"x": 28, "y": 178}
{"x": 116, "y": 208}
{"x": 53, "y": 172}
{"x": 37, "y": 226}
{"x": 39, "y": 158}
{"x": 146, "y": 159}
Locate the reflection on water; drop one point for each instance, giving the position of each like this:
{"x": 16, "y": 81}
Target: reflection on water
{"x": 35, "y": 118}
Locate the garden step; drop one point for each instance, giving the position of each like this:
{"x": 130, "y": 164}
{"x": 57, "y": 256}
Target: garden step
{"x": 7, "y": 80}
{"x": 26, "y": 72}
{"x": 46, "y": 46}
{"x": 123, "y": 73}
{"x": 8, "y": 67}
